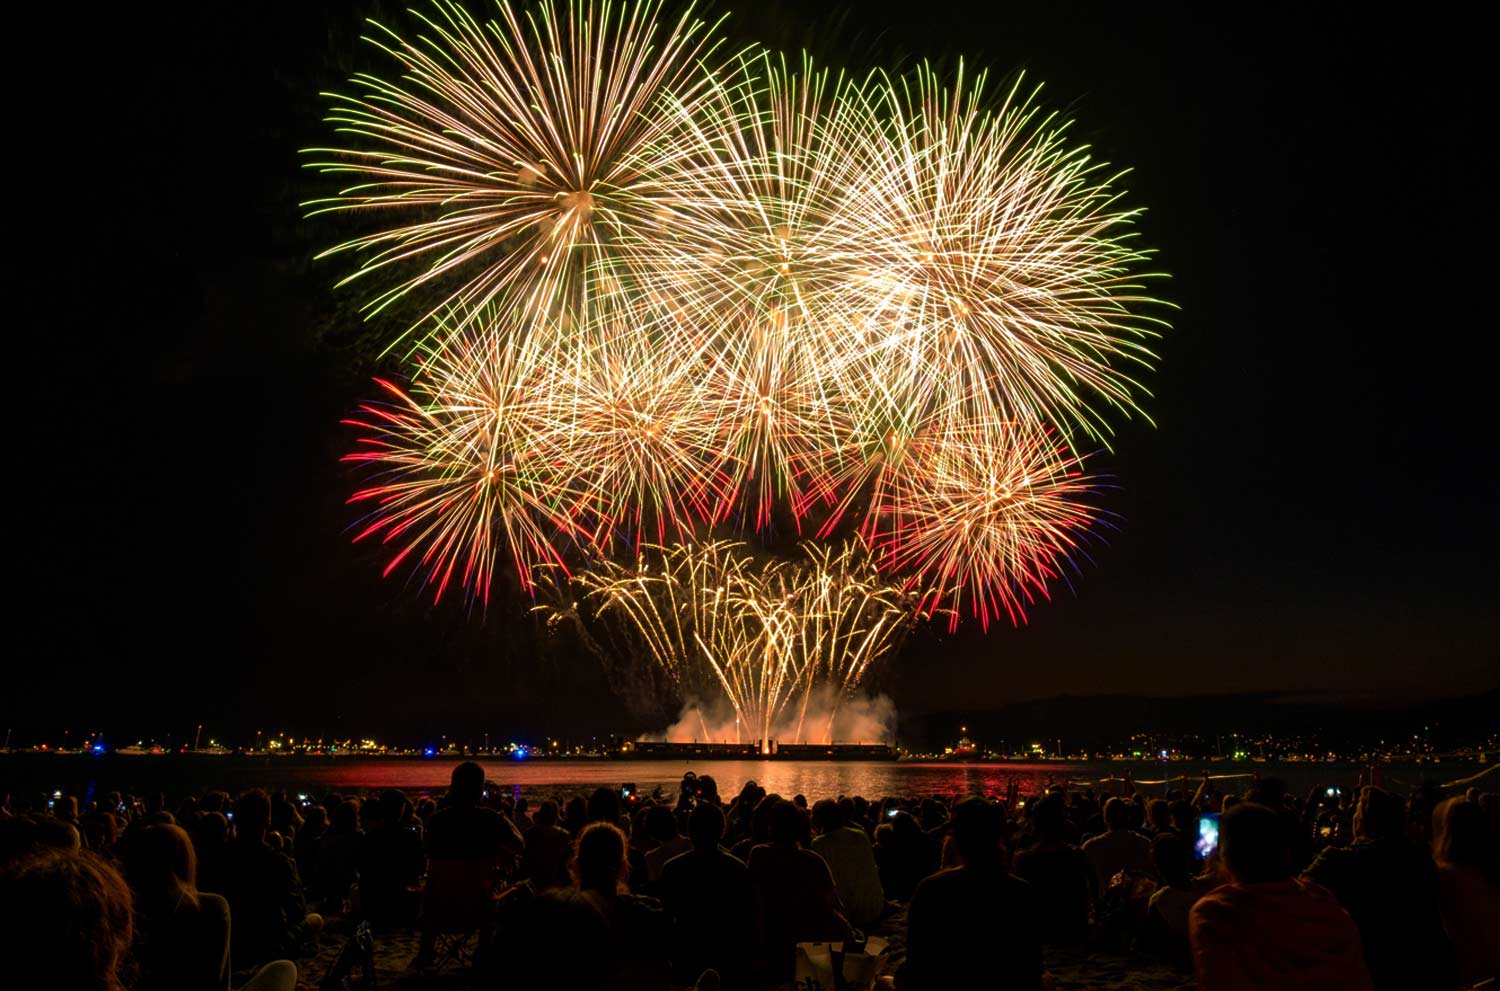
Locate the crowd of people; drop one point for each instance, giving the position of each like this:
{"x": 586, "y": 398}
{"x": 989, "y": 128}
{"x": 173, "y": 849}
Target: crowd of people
{"x": 1364, "y": 889}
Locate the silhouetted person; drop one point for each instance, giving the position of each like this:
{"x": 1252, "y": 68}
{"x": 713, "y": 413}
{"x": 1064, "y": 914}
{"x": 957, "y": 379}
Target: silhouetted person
{"x": 662, "y": 827}
{"x": 1158, "y": 817}
{"x": 758, "y": 828}
{"x": 851, "y": 859}
{"x": 65, "y": 922}
{"x": 1118, "y": 848}
{"x": 265, "y": 895}
{"x": 1390, "y": 887}
{"x": 549, "y": 850}
{"x": 1266, "y": 930}
{"x": 304, "y": 846}
{"x": 794, "y": 893}
{"x": 391, "y": 861}
{"x": 636, "y": 929}
{"x": 974, "y": 919}
{"x": 903, "y": 855}
{"x": 1164, "y": 933}
{"x": 1466, "y": 847}
{"x": 211, "y": 846}
{"x": 462, "y": 829}
{"x": 468, "y": 839}
{"x": 708, "y": 895}
{"x": 182, "y": 934}
{"x": 1059, "y": 873}
{"x": 338, "y": 852}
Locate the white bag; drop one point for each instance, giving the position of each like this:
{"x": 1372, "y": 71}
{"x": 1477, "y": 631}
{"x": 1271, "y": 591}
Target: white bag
{"x": 814, "y": 967}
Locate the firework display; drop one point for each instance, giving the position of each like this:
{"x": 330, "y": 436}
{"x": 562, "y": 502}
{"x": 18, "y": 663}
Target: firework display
{"x": 668, "y": 290}
{"x": 766, "y": 632}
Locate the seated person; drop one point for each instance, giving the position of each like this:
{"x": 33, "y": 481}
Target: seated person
{"x": 1389, "y": 885}
{"x": 707, "y": 894}
{"x": 1119, "y": 848}
{"x": 181, "y": 933}
{"x": 1062, "y": 880}
{"x": 549, "y": 850}
{"x": 390, "y": 861}
{"x": 265, "y": 897}
{"x": 977, "y": 918}
{"x": 1266, "y": 930}
{"x": 795, "y": 898}
{"x": 65, "y": 921}
{"x": 1165, "y": 932}
{"x": 851, "y": 859}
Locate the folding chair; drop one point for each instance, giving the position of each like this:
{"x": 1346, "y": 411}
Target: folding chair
{"x": 458, "y": 910}
{"x": 359, "y": 950}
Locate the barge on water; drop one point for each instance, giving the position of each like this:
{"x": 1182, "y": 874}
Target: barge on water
{"x": 652, "y": 750}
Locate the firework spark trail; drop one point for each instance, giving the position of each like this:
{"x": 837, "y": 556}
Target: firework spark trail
{"x": 516, "y": 152}
{"x": 671, "y": 289}
{"x": 995, "y": 261}
{"x": 988, "y": 513}
{"x": 768, "y": 633}
{"x": 459, "y": 468}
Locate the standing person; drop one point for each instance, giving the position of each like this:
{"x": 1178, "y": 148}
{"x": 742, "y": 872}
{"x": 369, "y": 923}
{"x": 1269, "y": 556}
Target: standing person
{"x": 708, "y": 895}
{"x": 964, "y": 919}
{"x": 1389, "y": 885}
{"x": 851, "y": 859}
{"x": 463, "y": 839}
{"x": 462, "y": 829}
{"x": 1266, "y": 930}
{"x": 1467, "y": 852}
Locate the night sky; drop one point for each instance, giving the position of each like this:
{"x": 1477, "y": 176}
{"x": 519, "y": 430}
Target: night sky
{"x": 1313, "y": 512}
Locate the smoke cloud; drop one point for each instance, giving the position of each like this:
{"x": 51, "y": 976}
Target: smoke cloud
{"x": 830, "y": 718}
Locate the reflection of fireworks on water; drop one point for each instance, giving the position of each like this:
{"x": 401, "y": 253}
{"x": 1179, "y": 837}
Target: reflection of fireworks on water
{"x": 672, "y": 292}
{"x": 767, "y": 633}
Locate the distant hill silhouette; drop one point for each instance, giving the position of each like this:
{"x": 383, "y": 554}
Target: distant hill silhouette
{"x": 1100, "y": 720}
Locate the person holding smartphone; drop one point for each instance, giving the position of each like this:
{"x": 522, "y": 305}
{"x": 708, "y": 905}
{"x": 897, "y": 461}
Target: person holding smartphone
{"x": 1266, "y": 930}
{"x": 1390, "y": 886}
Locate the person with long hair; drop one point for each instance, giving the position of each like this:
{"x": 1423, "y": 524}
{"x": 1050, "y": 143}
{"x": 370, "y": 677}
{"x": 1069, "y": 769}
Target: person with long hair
{"x": 181, "y": 934}
{"x": 638, "y": 928}
{"x": 1467, "y": 851}
{"x": 65, "y": 922}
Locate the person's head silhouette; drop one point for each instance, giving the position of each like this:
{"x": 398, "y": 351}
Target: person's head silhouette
{"x": 1254, "y": 844}
{"x": 706, "y": 827}
{"x": 466, "y": 785}
{"x": 977, "y": 832}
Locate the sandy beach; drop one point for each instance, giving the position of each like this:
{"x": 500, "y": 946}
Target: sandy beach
{"x": 1069, "y": 970}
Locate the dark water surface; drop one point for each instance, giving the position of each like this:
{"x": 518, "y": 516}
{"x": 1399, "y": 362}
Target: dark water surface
{"x": 27, "y": 776}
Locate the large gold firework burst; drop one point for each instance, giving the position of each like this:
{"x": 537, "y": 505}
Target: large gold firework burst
{"x": 671, "y": 290}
